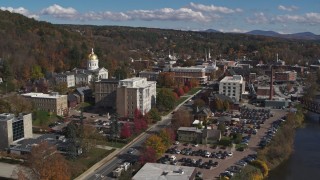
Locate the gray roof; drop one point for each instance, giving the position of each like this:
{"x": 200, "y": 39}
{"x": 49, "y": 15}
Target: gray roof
{"x": 81, "y": 90}
{"x": 211, "y": 134}
{"x": 155, "y": 171}
{"x": 191, "y": 129}
{"x": 224, "y": 118}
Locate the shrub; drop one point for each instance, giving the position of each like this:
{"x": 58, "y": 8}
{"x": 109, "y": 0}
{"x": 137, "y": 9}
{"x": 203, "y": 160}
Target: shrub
{"x": 262, "y": 166}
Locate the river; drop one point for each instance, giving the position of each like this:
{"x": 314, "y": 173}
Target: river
{"x": 304, "y": 163}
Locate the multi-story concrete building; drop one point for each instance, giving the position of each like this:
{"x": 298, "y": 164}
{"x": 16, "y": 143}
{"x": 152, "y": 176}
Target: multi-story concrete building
{"x": 53, "y": 102}
{"x": 14, "y": 128}
{"x": 232, "y": 86}
{"x": 184, "y": 74}
{"x": 66, "y": 78}
{"x": 106, "y": 92}
{"x": 135, "y": 93}
{"x": 285, "y": 76}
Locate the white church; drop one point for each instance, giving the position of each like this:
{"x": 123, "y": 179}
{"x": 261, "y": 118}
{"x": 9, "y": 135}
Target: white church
{"x": 83, "y": 76}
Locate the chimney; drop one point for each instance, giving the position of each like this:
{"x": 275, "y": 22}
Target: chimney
{"x": 271, "y": 85}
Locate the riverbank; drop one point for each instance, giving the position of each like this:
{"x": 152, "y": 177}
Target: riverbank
{"x": 304, "y": 161}
{"x": 278, "y": 150}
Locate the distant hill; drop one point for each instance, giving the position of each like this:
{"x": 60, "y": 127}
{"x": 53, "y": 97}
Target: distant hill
{"x": 302, "y": 35}
{"x": 211, "y": 30}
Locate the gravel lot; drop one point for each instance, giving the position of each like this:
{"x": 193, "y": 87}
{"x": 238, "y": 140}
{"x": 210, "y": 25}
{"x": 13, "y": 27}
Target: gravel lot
{"x": 213, "y": 173}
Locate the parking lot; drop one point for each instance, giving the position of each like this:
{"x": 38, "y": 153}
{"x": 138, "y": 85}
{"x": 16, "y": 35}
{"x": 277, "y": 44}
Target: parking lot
{"x": 212, "y": 160}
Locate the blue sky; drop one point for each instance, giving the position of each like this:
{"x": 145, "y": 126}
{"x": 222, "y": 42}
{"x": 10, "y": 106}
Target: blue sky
{"x": 283, "y": 16}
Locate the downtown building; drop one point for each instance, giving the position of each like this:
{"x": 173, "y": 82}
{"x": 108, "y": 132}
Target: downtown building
{"x": 232, "y": 86}
{"x": 135, "y": 93}
{"x": 14, "y": 128}
{"x": 52, "y": 103}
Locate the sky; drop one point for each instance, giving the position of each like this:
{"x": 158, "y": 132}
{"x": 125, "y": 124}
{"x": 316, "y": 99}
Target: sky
{"x": 282, "y": 16}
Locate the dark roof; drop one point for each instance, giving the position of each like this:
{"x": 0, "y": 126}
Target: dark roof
{"x": 224, "y": 118}
{"x": 83, "y": 90}
{"x": 72, "y": 97}
{"x": 211, "y": 133}
{"x": 204, "y": 110}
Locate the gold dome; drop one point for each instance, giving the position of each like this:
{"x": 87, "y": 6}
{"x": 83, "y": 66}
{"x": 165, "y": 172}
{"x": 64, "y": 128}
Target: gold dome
{"x": 92, "y": 56}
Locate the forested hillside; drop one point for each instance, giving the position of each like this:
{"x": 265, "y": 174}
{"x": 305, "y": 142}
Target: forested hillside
{"x": 25, "y": 43}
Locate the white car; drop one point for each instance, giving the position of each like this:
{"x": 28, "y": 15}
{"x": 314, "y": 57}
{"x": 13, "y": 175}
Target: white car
{"x": 230, "y": 154}
{"x": 195, "y": 145}
{"x": 176, "y": 143}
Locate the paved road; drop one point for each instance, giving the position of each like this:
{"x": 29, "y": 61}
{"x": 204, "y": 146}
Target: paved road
{"x": 105, "y": 171}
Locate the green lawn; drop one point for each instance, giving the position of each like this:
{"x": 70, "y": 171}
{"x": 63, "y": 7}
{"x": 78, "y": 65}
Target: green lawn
{"x": 193, "y": 90}
{"x": 84, "y": 162}
{"x": 180, "y": 100}
{"x": 43, "y": 119}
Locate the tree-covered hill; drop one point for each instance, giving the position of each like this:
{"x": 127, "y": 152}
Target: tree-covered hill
{"x": 26, "y": 42}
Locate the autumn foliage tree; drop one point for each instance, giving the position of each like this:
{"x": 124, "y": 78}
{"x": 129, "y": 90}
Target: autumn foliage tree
{"x": 181, "y": 118}
{"x": 155, "y": 142}
{"x": 125, "y": 131}
{"x": 148, "y": 155}
{"x": 47, "y": 164}
{"x": 168, "y": 136}
{"x": 179, "y": 91}
{"x": 140, "y": 121}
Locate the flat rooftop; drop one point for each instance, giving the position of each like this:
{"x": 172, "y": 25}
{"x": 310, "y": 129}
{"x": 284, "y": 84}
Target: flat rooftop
{"x": 191, "y": 129}
{"x": 235, "y": 78}
{"x": 41, "y": 95}
{"x": 6, "y": 116}
{"x": 152, "y": 171}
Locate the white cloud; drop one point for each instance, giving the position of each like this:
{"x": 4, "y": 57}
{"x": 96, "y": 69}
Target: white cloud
{"x": 308, "y": 18}
{"x": 259, "y": 18}
{"x": 60, "y": 12}
{"x": 165, "y": 14}
{"x": 287, "y": 8}
{"x": 107, "y": 15}
{"x": 20, "y": 10}
{"x": 213, "y": 8}
{"x": 184, "y": 14}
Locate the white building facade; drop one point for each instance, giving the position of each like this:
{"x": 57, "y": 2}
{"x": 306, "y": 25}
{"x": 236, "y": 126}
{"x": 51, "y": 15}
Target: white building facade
{"x": 135, "y": 93}
{"x": 232, "y": 86}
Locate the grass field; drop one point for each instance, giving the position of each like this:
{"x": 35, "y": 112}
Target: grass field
{"x": 82, "y": 163}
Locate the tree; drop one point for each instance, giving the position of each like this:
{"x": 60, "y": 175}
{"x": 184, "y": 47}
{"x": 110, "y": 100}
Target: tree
{"x": 5, "y": 106}
{"x": 61, "y": 88}
{"x": 46, "y": 163}
{"x": 222, "y": 127}
{"x": 156, "y": 143}
{"x": 167, "y": 136}
{"x": 19, "y": 104}
{"x": 186, "y": 89}
{"x": 125, "y": 131}
{"x": 226, "y": 105}
{"x": 36, "y": 72}
{"x": 262, "y": 166}
{"x": 166, "y": 79}
{"x": 154, "y": 115}
{"x": 198, "y": 103}
{"x": 181, "y": 118}
{"x": 218, "y": 104}
{"x": 179, "y": 91}
{"x": 165, "y": 99}
{"x": 148, "y": 155}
